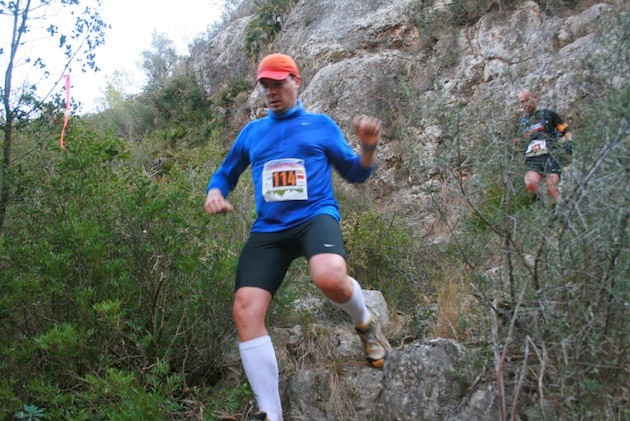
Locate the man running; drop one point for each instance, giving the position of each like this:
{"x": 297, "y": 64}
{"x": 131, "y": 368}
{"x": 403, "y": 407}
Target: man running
{"x": 291, "y": 153}
{"x": 542, "y": 130}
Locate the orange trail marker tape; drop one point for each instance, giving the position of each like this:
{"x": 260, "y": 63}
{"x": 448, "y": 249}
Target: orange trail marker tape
{"x": 67, "y": 112}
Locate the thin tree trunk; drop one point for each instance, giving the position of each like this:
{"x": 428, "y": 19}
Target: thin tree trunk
{"x": 5, "y": 191}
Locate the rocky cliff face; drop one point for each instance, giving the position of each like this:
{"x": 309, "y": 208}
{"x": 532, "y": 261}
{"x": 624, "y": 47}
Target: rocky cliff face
{"x": 416, "y": 65}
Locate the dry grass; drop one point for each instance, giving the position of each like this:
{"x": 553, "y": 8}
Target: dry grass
{"x": 452, "y": 294}
{"x": 449, "y": 302}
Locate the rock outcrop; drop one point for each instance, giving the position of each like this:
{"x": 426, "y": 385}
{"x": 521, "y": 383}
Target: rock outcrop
{"x": 325, "y": 375}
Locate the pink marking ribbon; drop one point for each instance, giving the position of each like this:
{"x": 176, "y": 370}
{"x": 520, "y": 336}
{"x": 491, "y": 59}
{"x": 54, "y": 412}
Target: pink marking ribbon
{"x": 67, "y": 112}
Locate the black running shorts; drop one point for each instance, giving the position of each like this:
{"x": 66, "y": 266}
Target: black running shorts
{"x": 266, "y": 256}
{"x": 543, "y": 165}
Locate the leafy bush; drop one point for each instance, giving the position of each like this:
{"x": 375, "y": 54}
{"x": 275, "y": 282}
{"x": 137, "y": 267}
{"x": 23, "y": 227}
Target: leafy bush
{"x": 268, "y": 21}
{"x": 379, "y": 254}
{"x": 106, "y": 276}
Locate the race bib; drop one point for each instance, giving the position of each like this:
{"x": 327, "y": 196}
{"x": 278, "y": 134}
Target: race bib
{"x": 536, "y": 147}
{"x": 284, "y": 179}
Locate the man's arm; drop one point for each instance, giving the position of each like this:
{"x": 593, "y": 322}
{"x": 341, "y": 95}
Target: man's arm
{"x": 562, "y": 128}
{"x": 216, "y": 203}
{"x": 565, "y": 134}
{"x": 368, "y": 130}
{"x": 225, "y": 178}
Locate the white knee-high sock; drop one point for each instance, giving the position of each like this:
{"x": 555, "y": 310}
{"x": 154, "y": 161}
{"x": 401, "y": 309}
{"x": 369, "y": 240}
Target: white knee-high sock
{"x": 261, "y": 368}
{"x": 355, "y": 307}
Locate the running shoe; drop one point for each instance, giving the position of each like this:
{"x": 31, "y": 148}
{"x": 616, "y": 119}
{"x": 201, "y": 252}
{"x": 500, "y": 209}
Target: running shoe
{"x": 376, "y": 346}
{"x": 260, "y": 416}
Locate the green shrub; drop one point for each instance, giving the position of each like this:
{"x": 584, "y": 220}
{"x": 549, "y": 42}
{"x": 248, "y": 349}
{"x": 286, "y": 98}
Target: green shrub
{"x": 267, "y": 22}
{"x": 107, "y": 272}
{"x": 379, "y": 256}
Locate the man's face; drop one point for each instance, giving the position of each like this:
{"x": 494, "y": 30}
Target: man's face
{"x": 528, "y": 102}
{"x": 280, "y": 95}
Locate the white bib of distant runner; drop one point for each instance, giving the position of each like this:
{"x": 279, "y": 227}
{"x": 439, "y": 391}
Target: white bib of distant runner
{"x": 536, "y": 147}
{"x": 284, "y": 179}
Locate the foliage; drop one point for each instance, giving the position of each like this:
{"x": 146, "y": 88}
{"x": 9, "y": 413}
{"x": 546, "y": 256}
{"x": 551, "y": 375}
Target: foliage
{"x": 227, "y": 96}
{"x": 268, "y": 21}
{"x": 159, "y": 62}
{"x": 438, "y": 20}
{"x": 21, "y": 90}
{"x": 104, "y": 269}
{"x": 380, "y": 256}
{"x": 30, "y": 412}
{"x": 224, "y": 402}
{"x": 172, "y": 106}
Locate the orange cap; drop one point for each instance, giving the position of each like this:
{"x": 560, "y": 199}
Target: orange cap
{"x": 277, "y": 66}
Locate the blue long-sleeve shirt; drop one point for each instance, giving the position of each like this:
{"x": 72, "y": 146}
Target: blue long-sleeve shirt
{"x": 291, "y": 155}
